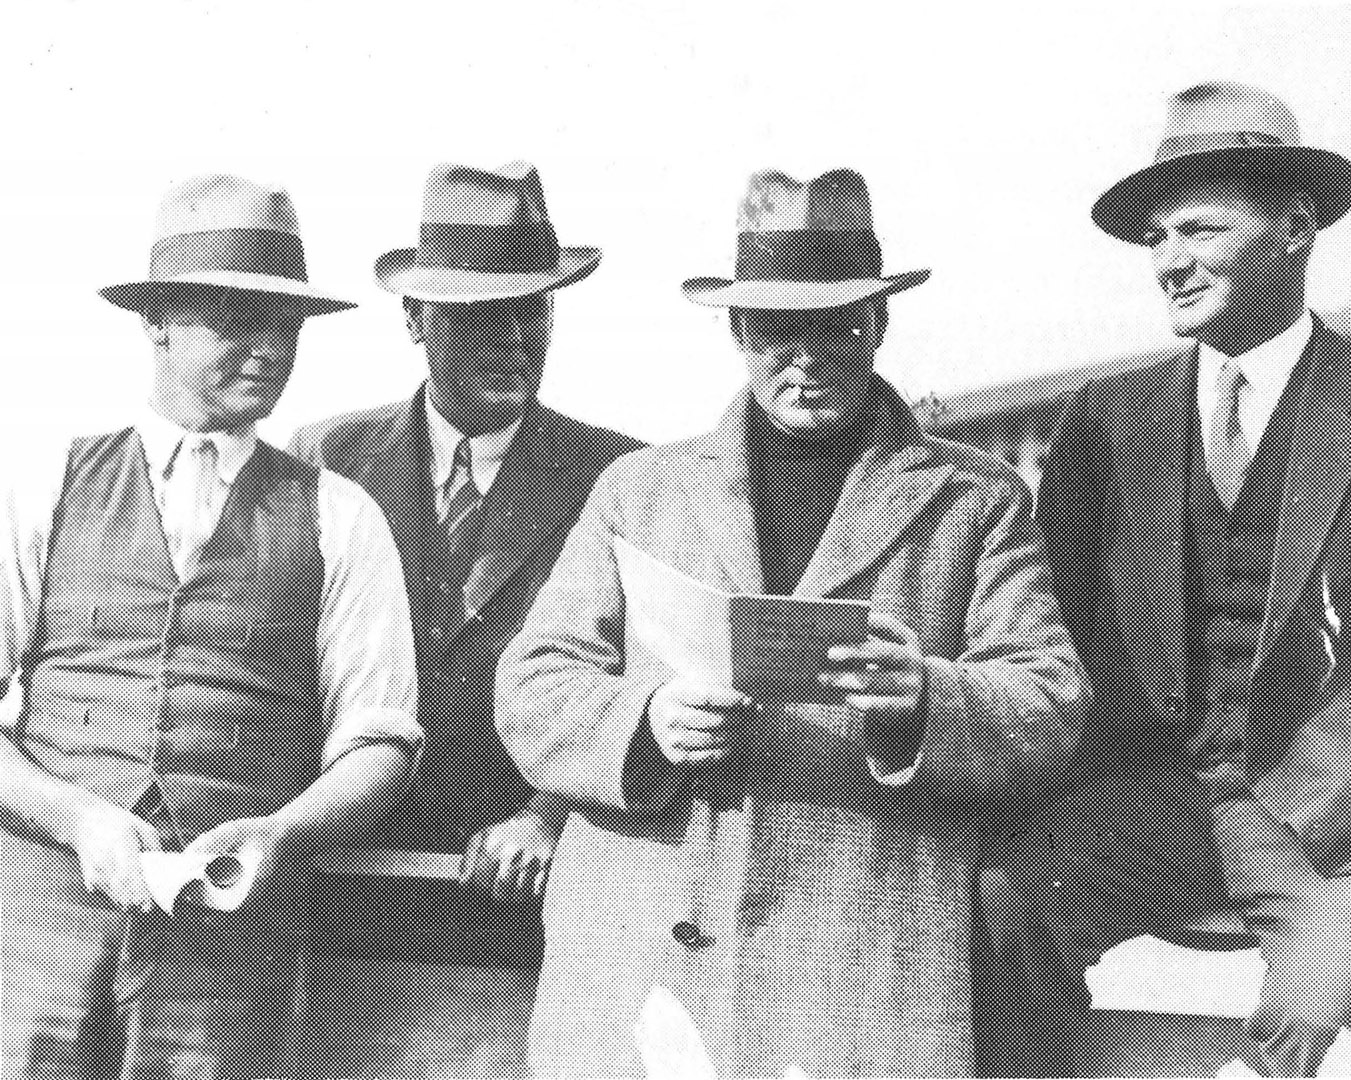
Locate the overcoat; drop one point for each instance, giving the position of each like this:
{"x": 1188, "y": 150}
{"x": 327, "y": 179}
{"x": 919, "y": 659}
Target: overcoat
{"x": 1112, "y": 504}
{"x": 807, "y": 906}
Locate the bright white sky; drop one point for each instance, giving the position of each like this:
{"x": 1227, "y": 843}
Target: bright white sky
{"x": 985, "y": 133}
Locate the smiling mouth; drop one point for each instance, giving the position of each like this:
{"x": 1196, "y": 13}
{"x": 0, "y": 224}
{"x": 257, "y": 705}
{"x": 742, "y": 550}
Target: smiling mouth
{"x": 1185, "y": 297}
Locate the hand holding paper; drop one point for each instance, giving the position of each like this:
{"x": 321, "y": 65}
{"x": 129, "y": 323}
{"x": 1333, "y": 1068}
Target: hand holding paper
{"x": 226, "y": 879}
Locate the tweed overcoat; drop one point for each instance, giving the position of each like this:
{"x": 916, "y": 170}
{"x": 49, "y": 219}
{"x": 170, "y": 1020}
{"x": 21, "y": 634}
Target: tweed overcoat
{"x": 805, "y": 906}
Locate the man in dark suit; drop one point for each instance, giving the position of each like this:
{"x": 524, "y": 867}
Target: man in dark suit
{"x": 480, "y": 484}
{"x": 1196, "y": 518}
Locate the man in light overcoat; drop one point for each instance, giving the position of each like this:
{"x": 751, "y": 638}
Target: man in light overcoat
{"x": 798, "y": 875}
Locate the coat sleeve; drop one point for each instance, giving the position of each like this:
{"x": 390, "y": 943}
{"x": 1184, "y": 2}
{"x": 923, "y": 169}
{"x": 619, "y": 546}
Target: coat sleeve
{"x": 571, "y": 710}
{"x": 1003, "y": 718}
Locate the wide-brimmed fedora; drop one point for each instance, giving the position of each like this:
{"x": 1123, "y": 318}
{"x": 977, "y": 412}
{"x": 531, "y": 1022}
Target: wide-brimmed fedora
{"x": 485, "y": 236}
{"x": 224, "y": 232}
{"x": 803, "y": 246}
{"x": 1224, "y": 130}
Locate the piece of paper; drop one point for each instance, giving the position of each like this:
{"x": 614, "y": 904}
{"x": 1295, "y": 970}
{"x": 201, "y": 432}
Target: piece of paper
{"x": 226, "y": 879}
{"x": 768, "y": 647}
{"x": 668, "y": 1042}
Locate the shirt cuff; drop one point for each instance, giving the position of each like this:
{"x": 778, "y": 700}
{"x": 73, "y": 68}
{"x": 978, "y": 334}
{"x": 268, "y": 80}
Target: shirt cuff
{"x": 374, "y": 726}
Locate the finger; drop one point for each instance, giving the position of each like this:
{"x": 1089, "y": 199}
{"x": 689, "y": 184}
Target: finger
{"x": 721, "y": 698}
{"x": 877, "y": 705}
{"x": 711, "y": 754}
{"x": 504, "y": 879}
{"x": 887, "y": 681}
{"x": 699, "y": 720}
{"x": 876, "y": 651}
{"x": 886, "y": 625}
{"x": 699, "y": 740}
{"x": 540, "y": 877}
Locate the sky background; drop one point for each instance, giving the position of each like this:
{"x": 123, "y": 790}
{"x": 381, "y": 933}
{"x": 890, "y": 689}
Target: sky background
{"x": 985, "y": 133}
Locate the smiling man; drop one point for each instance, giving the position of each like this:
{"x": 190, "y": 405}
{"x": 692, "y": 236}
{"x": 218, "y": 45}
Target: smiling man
{"x": 212, "y": 651}
{"x": 1195, "y": 513}
{"x": 765, "y": 860}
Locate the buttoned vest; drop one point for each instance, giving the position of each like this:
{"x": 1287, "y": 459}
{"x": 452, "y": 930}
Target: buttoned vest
{"x": 1230, "y": 577}
{"x": 207, "y": 689}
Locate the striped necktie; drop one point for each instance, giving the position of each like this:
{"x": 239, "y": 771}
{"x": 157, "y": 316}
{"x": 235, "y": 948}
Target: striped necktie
{"x": 1230, "y": 454}
{"x": 463, "y": 495}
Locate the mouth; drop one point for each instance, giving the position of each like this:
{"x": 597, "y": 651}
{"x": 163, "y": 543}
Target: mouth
{"x": 1186, "y": 297}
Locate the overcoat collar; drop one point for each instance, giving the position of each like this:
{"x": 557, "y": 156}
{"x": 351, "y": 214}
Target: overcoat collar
{"x": 891, "y": 483}
{"x": 1317, "y": 478}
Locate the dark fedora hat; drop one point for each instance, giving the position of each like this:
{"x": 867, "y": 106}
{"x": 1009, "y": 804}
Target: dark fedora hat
{"x": 485, "y": 236}
{"x": 1226, "y": 130}
{"x": 220, "y": 231}
{"x": 803, "y": 246}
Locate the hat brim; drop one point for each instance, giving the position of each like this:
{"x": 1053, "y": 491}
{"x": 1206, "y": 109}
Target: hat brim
{"x": 1124, "y": 209}
{"x": 796, "y": 295}
{"x": 143, "y": 295}
{"x": 397, "y": 272}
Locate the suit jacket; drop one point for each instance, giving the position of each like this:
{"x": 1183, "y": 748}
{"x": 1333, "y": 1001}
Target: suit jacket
{"x": 805, "y": 911}
{"x": 466, "y": 780}
{"x": 1112, "y": 505}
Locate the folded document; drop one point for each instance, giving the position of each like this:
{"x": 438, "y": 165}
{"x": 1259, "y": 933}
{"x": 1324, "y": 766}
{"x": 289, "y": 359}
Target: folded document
{"x": 226, "y": 879}
{"x": 768, "y": 647}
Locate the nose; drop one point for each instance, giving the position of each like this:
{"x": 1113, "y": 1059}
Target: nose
{"x": 1173, "y": 259}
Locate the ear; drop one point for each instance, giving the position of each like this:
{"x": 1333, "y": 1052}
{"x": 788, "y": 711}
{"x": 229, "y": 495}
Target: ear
{"x": 156, "y": 329}
{"x": 1303, "y": 225}
{"x": 412, "y": 318}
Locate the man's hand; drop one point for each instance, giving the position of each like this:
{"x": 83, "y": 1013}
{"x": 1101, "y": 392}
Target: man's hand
{"x": 108, "y": 841}
{"x": 693, "y": 722}
{"x": 884, "y": 677}
{"x": 261, "y": 835}
{"x": 512, "y": 858}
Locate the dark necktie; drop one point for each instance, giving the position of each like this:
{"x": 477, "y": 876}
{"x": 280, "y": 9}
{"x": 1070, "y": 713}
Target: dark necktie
{"x": 1230, "y": 455}
{"x": 461, "y": 521}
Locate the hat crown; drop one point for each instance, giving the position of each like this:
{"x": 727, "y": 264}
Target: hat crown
{"x": 219, "y": 201}
{"x": 1225, "y": 114}
{"x": 835, "y": 201}
{"x": 460, "y": 194}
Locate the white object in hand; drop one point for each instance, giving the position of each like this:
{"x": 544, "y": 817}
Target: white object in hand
{"x": 668, "y": 1041}
{"x": 226, "y": 879}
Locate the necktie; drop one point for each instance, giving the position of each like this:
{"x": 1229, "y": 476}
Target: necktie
{"x": 461, "y": 520}
{"x": 1230, "y": 454}
{"x": 191, "y": 499}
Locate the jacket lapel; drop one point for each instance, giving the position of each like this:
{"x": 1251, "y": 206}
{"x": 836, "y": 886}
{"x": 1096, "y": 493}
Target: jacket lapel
{"x": 1317, "y": 477}
{"x": 397, "y": 474}
{"x": 529, "y": 500}
{"x": 718, "y": 488}
{"x": 885, "y": 491}
{"x": 1152, "y": 451}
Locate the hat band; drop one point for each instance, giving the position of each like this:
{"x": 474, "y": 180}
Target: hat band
{"x": 489, "y": 249}
{"x": 237, "y": 251}
{"x": 1180, "y": 145}
{"x": 808, "y": 255}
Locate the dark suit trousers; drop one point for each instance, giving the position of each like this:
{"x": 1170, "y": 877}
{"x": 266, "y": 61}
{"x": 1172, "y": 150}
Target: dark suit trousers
{"x": 204, "y": 1008}
{"x": 1143, "y": 854}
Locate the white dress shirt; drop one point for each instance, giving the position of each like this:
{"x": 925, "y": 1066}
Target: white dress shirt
{"x": 1266, "y": 371}
{"x": 487, "y": 452}
{"x": 367, "y": 671}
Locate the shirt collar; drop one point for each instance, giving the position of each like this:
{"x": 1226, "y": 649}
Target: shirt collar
{"x": 488, "y": 450}
{"x": 161, "y": 437}
{"x": 1266, "y": 367}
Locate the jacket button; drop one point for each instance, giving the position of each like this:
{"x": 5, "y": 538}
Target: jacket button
{"x": 690, "y": 935}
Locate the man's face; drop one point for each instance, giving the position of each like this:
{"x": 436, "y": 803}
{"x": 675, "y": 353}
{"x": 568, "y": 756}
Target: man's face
{"x": 223, "y": 358}
{"x": 486, "y": 359}
{"x": 811, "y": 371}
{"x": 1228, "y": 265}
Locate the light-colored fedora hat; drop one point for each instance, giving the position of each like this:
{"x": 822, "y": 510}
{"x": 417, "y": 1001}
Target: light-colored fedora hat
{"x": 485, "y": 236}
{"x": 1222, "y": 130}
{"x": 803, "y": 246}
{"x": 224, "y": 232}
